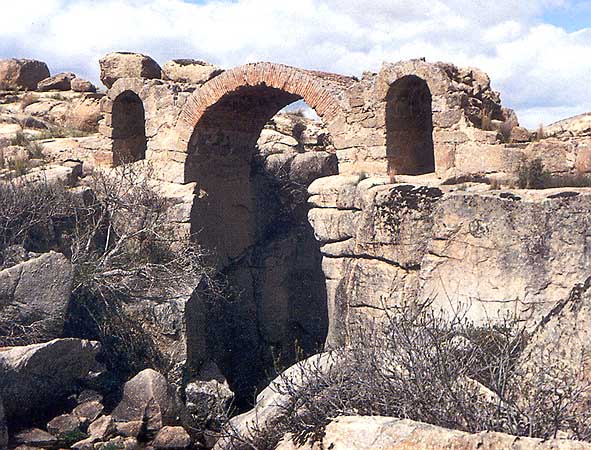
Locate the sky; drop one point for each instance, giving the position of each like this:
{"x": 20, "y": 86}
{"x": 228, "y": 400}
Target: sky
{"x": 537, "y": 52}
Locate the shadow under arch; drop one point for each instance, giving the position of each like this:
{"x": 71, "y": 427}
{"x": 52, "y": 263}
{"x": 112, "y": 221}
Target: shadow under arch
{"x": 409, "y": 127}
{"x": 271, "y": 259}
{"x": 129, "y": 128}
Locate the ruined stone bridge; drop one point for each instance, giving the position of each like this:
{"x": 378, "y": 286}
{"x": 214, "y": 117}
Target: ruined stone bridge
{"x": 411, "y": 118}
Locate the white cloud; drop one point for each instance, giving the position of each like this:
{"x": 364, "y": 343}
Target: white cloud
{"x": 540, "y": 69}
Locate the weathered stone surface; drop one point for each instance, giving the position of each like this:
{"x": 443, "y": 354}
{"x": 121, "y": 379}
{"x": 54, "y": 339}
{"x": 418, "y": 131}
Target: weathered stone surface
{"x": 558, "y": 156}
{"x": 84, "y": 444}
{"x": 102, "y": 428}
{"x": 34, "y": 297}
{"x": 122, "y": 443}
{"x": 474, "y": 158}
{"x": 88, "y": 411}
{"x": 35, "y": 376}
{"x": 22, "y": 74}
{"x": 147, "y": 397}
{"x": 84, "y": 116}
{"x": 573, "y": 126}
{"x": 62, "y": 425}
{"x": 172, "y": 438}
{"x": 189, "y": 71}
{"x": 129, "y": 429}
{"x": 59, "y": 82}
{"x": 520, "y": 134}
{"x": 498, "y": 255}
{"x": 271, "y": 403}
{"x": 306, "y": 167}
{"x": 387, "y": 433}
{"x": 127, "y": 65}
{"x": 207, "y": 400}
{"x": 331, "y": 225}
{"x": 35, "y": 437}
{"x": 583, "y": 159}
{"x": 81, "y": 85}
{"x": 561, "y": 342}
{"x": 505, "y": 256}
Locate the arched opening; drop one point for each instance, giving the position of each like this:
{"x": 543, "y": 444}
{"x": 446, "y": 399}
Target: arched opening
{"x": 409, "y": 127}
{"x": 129, "y": 129}
{"x": 251, "y": 170}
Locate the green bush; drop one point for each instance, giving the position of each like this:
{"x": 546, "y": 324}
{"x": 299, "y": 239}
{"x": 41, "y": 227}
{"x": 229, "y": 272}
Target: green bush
{"x": 532, "y": 175}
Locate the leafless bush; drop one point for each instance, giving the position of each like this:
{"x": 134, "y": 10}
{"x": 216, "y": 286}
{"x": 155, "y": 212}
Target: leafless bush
{"x": 540, "y": 133}
{"x": 126, "y": 249}
{"x": 127, "y": 246}
{"x": 118, "y": 234}
{"x": 445, "y": 371}
{"x": 532, "y": 175}
{"x": 32, "y": 215}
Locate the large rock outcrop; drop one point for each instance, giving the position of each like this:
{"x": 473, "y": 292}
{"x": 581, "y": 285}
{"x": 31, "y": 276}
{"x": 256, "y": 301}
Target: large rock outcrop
{"x": 34, "y": 298}
{"x": 34, "y": 378}
{"x": 495, "y": 254}
{"x": 388, "y": 433}
{"x": 147, "y": 398}
{"x": 59, "y": 82}
{"x": 22, "y": 74}
{"x": 127, "y": 65}
{"x": 189, "y": 71}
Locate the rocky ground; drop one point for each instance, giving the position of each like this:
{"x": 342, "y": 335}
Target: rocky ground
{"x": 382, "y": 240}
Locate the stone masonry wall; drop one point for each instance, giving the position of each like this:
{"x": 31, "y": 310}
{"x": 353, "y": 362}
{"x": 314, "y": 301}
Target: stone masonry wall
{"x": 355, "y": 112}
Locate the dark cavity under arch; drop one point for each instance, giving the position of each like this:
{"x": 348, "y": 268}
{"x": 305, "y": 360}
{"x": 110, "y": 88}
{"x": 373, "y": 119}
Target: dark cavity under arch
{"x": 263, "y": 244}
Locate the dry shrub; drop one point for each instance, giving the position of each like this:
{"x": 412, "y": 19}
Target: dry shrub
{"x": 32, "y": 215}
{"x": 124, "y": 249}
{"x": 540, "y": 133}
{"x": 486, "y": 119}
{"x": 20, "y": 139}
{"x": 506, "y": 130}
{"x": 428, "y": 367}
{"x": 533, "y": 175}
{"x": 118, "y": 236}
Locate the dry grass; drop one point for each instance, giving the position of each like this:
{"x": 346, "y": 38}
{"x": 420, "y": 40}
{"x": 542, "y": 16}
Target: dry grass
{"x": 486, "y": 119}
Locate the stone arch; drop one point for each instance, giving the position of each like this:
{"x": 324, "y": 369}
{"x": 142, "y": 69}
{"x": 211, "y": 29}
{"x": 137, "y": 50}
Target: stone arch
{"x": 409, "y": 127}
{"x": 220, "y": 123}
{"x": 321, "y": 91}
{"x": 276, "y": 266}
{"x": 128, "y": 123}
